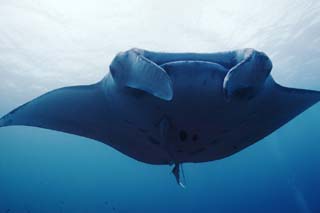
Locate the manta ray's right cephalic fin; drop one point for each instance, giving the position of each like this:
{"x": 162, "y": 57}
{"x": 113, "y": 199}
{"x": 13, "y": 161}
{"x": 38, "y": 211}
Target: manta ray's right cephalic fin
{"x": 247, "y": 77}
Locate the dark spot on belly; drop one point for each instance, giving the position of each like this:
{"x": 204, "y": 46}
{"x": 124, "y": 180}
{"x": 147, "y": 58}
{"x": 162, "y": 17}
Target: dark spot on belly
{"x": 235, "y": 147}
{"x": 197, "y": 151}
{"x": 143, "y": 130}
{"x": 214, "y": 141}
{"x": 195, "y": 137}
{"x": 183, "y": 135}
{"x": 153, "y": 140}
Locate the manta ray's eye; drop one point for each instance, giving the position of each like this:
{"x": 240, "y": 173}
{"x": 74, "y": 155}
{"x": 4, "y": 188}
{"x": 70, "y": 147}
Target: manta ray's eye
{"x": 195, "y": 137}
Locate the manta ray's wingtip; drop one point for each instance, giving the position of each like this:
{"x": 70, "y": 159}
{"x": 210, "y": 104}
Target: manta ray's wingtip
{"x": 9, "y": 119}
{"x": 311, "y": 95}
{"x": 6, "y": 120}
{"x": 3, "y": 122}
{"x": 318, "y": 94}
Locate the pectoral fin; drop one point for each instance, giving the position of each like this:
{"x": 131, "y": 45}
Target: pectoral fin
{"x": 79, "y": 110}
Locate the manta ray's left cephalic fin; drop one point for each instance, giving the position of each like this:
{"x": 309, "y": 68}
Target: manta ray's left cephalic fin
{"x": 132, "y": 69}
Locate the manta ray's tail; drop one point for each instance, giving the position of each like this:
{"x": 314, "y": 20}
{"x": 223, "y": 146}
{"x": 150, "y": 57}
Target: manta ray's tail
{"x": 77, "y": 110}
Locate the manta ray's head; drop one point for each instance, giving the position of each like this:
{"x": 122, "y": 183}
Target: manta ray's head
{"x": 245, "y": 71}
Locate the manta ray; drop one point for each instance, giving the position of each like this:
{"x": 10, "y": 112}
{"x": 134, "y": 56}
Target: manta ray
{"x": 172, "y": 108}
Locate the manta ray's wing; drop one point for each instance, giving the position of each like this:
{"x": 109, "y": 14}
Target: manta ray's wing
{"x": 79, "y": 110}
{"x": 286, "y": 103}
{"x": 274, "y": 106}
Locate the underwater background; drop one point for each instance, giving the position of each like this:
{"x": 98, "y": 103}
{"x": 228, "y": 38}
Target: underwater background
{"x": 46, "y": 44}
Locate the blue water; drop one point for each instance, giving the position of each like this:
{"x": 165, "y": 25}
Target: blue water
{"x": 50, "y": 44}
